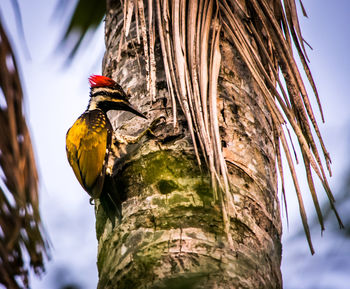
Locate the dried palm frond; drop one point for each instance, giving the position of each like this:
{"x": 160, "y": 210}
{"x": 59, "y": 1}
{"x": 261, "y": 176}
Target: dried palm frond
{"x": 273, "y": 19}
{"x": 21, "y": 233}
{"x": 262, "y": 32}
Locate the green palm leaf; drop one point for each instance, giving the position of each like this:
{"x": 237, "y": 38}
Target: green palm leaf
{"x": 87, "y": 16}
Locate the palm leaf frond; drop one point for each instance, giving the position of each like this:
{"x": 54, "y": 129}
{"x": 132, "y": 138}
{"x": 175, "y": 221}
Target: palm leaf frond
{"x": 264, "y": 33}
{"x": 21, "y": 234}
{"x": 86, "y": 17}
{"x": 296, "y": 106}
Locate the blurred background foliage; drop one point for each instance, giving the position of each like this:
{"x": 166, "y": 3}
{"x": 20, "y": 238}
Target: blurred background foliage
{"x": 21, "y": 232}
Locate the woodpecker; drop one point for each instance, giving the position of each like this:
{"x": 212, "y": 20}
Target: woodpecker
{"x": 89, "y": 140}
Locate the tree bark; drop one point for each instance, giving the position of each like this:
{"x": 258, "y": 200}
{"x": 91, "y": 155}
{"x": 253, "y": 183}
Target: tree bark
{"x": 171, "y": 234}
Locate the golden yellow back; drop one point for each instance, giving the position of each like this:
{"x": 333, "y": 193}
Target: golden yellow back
{"x": 87, "y": 142}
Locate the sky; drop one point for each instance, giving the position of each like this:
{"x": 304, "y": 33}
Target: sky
{"x": 56, "y": 95}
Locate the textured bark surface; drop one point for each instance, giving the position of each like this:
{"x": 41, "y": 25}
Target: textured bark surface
{"x": 171, "y": 234}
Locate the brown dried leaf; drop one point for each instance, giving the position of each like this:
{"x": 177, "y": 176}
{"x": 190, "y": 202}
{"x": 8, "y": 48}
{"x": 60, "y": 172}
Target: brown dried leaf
{"x": 22, "y": 234}
{"x": 262, "y": 32}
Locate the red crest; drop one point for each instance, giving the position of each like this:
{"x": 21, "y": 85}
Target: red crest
{"x": 101, "y": 81}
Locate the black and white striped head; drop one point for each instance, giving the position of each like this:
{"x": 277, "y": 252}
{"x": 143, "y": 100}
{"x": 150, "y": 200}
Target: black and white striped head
{"x": 106, "y": 95}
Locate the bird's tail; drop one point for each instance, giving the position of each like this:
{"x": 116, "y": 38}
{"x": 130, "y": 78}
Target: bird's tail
{"x": 110, "y": 200}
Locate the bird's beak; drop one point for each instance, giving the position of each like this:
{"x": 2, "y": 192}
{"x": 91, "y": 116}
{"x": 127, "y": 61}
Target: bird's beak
{"x": 128, "y": 107}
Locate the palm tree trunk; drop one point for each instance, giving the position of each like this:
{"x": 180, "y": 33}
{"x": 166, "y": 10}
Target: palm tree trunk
{"x": 171, "y": 234}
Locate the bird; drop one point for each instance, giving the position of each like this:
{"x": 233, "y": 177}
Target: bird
{"x": 90, "y": 139}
